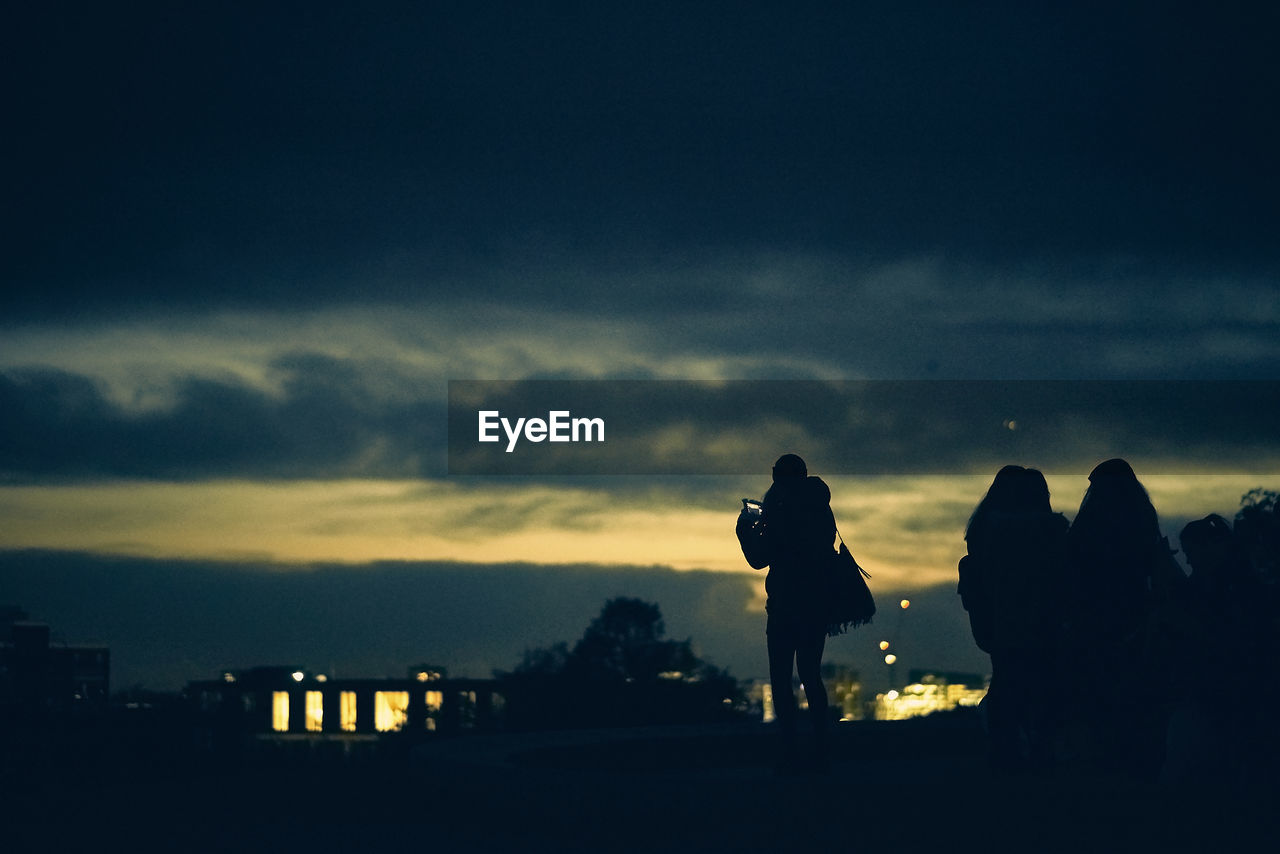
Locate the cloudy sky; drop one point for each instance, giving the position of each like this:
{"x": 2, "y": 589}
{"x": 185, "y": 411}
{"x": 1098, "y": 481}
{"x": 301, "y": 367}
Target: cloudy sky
{"x": 248, "y": 248}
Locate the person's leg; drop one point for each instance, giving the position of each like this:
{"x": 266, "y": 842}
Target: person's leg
{"x": 809, "y": 667}
{"x": 781, "y": 658}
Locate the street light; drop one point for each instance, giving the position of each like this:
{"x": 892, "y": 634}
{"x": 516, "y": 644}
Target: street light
{"x": 891, "y": 659}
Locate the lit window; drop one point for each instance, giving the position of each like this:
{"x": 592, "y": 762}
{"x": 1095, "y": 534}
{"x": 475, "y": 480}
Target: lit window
{"x": 467, "y": 709}
{"x": 315, "y": 711}
{"x": 435, "y": 700}
{"x": 347, "y": 706}
{"x": 390, "y": 709}
{"x": 280, "y": 711}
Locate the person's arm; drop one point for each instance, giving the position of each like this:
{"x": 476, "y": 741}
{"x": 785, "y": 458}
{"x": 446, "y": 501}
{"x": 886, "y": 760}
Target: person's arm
{"x": 750, "y": 530}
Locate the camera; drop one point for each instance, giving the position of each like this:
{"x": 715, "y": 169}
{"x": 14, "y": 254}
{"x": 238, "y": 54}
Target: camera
{"x": 750, "y": 505}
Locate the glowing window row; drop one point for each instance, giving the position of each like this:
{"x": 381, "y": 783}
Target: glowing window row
{"x": 390, "y": 710}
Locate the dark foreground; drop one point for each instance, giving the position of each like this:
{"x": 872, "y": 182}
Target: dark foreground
{"x": 912, "y": 785}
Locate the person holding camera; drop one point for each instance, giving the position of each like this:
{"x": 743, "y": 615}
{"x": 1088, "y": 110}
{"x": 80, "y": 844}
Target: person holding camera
{"x": 792, "y": 534}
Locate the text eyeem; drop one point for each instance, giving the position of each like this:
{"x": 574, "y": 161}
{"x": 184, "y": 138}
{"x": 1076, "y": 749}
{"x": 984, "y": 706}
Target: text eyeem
{"x": 556, "y": 427}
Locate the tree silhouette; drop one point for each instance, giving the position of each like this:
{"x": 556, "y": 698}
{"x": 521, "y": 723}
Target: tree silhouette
{"x": 626, "y": 643}
{"x": 622, "y": 671}
{"x": 544, "y": 661}
{"x": 1258, "y": 530}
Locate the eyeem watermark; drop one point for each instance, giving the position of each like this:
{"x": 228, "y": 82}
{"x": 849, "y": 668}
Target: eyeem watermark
{"x": 558, "y": 426}
{"x": 861, "y": 427}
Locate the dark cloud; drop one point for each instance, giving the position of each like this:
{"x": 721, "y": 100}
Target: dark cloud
{"x": 908, "y": 427}
{"x": 324, "y": 422}
{"x": 204, "y": 157}
{"x": 329, "y": 419}
{"x": 171, "y": 621}
{"x": 932, "y": 317}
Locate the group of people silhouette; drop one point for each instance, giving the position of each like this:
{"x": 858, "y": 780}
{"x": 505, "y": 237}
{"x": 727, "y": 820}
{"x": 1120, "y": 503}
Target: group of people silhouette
{"x": 1100, "y": 643}
{"x": 1100, "y": 604}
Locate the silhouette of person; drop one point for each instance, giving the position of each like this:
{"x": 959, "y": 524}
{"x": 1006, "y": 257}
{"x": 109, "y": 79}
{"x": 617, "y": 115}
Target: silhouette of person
{"x": 1223, "y": 588}
{"x": 1012, "y": 583}
{"x": 1257, "y": 534}
{"x": 794, "y": 535}
{"x": 1221, "y": 610}
{"x": 1124, "y": 575}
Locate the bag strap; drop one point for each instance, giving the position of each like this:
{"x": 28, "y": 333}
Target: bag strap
{"x": 846, "y": 548}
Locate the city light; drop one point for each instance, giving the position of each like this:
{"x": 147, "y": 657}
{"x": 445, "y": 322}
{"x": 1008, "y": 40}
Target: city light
{"x": 298, "y": 676}
{"x": 884, "y": 645}
{"x": 919, "y": 699}
{"x": 905, "y": 604}
{"x": 890, "y": 658}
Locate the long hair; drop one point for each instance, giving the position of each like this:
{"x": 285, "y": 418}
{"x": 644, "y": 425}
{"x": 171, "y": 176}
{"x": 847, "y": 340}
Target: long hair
{"x": 1034, "y": 491}
{"x": 1115, "y": 505}
{"x": 1002, "y": 496}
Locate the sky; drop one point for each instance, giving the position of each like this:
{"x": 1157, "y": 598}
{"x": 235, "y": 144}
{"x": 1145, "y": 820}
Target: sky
{"x": 247, "y": 249}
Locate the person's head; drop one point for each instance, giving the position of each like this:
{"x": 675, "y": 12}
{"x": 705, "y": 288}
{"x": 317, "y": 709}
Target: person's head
{"x": 1003, "y": 496}
{"x": 1034, "y": 491}
{"x": 789, "y": 467}
{"x": 1207, "y": 543}
{"x": 1006, "y": 489}
{"x": 1112, "y": 471}
{"x": 1116, "y": 500}
{"x": 1211, "y": 548}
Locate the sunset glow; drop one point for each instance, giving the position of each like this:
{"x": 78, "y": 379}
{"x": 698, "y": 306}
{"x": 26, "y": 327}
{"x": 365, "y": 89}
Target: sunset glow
{"x": 907, "y": 531}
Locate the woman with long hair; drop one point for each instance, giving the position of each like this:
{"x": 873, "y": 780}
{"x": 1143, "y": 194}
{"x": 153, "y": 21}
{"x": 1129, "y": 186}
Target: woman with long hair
{"x": 1123, "y": 574}
{"x": 1012, "y": 583}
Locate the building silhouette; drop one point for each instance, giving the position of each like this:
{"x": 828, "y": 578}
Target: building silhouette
{"x": 43, "y": 678}
{"x": 287, "y": 703}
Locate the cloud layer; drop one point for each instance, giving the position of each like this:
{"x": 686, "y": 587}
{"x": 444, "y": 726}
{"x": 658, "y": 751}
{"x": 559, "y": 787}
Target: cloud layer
{"x": 331, "y": 418}
{"x": 216, "y": 157}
